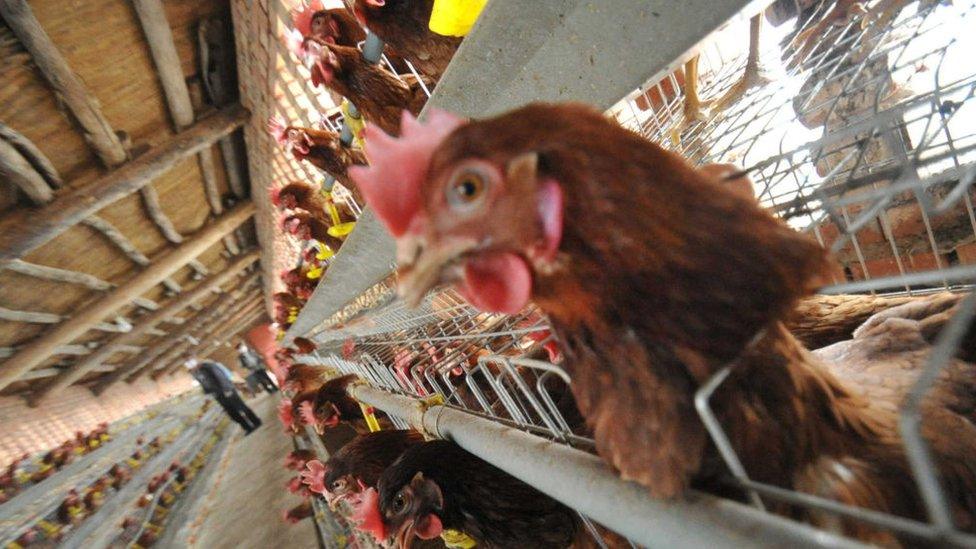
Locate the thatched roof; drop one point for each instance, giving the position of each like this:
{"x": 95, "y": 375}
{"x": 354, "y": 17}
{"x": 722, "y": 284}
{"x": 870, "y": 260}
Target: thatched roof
{"x": 138, "y": 222}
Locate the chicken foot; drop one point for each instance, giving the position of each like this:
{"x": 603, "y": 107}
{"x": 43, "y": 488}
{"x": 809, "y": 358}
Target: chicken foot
{"x": 696, "y": 110}
{"x": 752, "y": 75}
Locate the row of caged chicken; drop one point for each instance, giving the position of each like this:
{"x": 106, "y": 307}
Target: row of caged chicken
{"x": 21, "y": 473}
{"x": 328, "y": 39}
{"x": 80, "y": 504}
{"x": 657, "y": 277}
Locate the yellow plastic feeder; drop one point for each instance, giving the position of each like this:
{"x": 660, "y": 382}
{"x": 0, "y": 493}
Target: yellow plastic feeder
{"x": 455, "y": 17}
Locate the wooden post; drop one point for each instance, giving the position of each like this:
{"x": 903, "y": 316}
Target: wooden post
{"x": 78, "y": 370}
{"x": 23, "y": 231}
{"x": 41, "y": 348}
{"x": 83, "y": 106}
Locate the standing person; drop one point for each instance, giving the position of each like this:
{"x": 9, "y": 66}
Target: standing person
{"x": 217, "y": 381}
{"x": 251, "y": 362}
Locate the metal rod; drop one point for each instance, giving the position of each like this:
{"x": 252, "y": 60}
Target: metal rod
{"x": 586, "y": 484}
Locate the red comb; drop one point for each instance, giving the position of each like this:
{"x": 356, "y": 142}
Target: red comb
{"x": 391, "y": 183}
{"x": 366, "y": 514}
{"x": 276, "y": 196}
{"x": 277, "y": 127}
{"x": 307, "y": 412}
{"x": 302, "y": 16}
{"x": 314, "y": 476}
{"x": 286, "y": 415}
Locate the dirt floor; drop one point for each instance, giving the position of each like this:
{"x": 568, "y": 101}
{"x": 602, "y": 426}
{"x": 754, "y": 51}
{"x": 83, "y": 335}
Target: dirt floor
{"x": 244, "y": 506}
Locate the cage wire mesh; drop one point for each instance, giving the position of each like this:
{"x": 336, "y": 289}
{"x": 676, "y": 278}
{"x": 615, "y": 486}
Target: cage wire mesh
{"x": 861, "y": 131}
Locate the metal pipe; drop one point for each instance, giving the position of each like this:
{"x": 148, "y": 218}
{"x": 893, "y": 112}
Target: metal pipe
{"x": 583, "y": 482}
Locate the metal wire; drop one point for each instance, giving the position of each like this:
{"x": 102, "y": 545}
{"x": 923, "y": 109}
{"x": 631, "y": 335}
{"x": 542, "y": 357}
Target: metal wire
{"x": 865, "y": 138}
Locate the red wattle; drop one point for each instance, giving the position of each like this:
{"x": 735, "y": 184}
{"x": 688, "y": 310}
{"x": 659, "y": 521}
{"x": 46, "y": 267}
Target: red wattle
{"x": 428, "y": 527}
{"x": 498, "y": 282}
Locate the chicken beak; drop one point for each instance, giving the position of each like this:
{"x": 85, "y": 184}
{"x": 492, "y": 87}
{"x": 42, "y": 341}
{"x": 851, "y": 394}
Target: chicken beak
{"x": 423, "y": 267}
{"x": 404, "y": 537}
{"x": 334, "y": 501}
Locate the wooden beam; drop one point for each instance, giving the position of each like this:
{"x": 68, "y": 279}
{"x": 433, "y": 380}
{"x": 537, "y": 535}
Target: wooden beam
{"x": 152, "y": 16}
{"x": 71, "y": 277}
{"x": 116, "y": 237}
{"x": 79, "y": 369}
{"x": 38, "y": 350}
{"x": 38, "y": 160}
{"x": 16, "y": 169}
{"x": 58, "y": 275}
{"x": 76, "y": 350}
{"x": 207, "y": 347}
{"x": 126, "y": 246}
{"x": 220, "y": 331}
{"x": 145, "y": 360}
{"x": 150, "y": 199}
{"x": 83, "y": 106}
{"x": 23, "y": 231}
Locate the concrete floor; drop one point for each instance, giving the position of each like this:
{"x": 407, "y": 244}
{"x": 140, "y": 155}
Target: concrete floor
{"x": 244, "y": 506}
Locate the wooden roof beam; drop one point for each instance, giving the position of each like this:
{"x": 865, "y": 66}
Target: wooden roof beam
{"x": 16, "y": 169}
{"x": 230, "y": 325}
{"x": 152, "y": 16}
{"x": 209, "y": 346}
{"x": 66, "y": 84}
{"x": 82, "y": 104}
{"x": 134, "y": 369}
{"x": 26, "y": 166}
{"x": 71, "y": 277}
{"x": 78, "y": 370}
{"x": 23, "y": 231}
{"x": 41, "y": 348}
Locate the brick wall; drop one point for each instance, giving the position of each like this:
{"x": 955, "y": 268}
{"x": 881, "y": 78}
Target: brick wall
{"x": 32, "y": 430}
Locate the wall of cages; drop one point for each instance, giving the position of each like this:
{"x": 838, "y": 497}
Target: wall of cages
{"x": 860, "y": 129}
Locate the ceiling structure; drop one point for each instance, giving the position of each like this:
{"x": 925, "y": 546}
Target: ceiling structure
{"x": 127, "y": 232}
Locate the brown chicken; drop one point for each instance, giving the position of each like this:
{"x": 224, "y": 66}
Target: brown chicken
{"x": 298, "y": 283}
{"x": 322, "y": 149}
{"x": 329, "y": 405}
{"x": 403, "y": 24}
{"x": 119, "y": 475}
{"x": 332, "y": 26}
{"x": 655, "y": 277}
{"x": 71, "y": 509}
{"x": 335, "y": 26}
{"x": 822, "y": 320}
{"x": 302, "y": 377}
{"x": 378, "y": 94}
{"x": 884, "y": 356}
{"x": 296, "y": 459}
{"x": 306, "y": 226}
{"x": 436, "y": 486}
{"x": 359, "y": 464}
{"x": 299, "y": 512}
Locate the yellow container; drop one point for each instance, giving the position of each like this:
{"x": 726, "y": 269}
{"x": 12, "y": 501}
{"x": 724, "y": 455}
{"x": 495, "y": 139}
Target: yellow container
{"x": 455, "y": 17}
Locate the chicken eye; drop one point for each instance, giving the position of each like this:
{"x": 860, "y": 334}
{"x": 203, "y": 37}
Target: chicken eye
{"x": 466, "y": 188}
{"x": 339, "y": 484}
{"x": 399, "y": 502}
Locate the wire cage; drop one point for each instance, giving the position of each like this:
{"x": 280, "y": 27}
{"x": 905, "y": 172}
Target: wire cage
{"x": 860, "y": 130}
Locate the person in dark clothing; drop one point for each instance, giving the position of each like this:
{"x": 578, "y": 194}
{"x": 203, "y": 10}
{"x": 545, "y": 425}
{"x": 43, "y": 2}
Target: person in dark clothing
{"x": 217, "y": 381}
{"x": 251, "y": 362}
